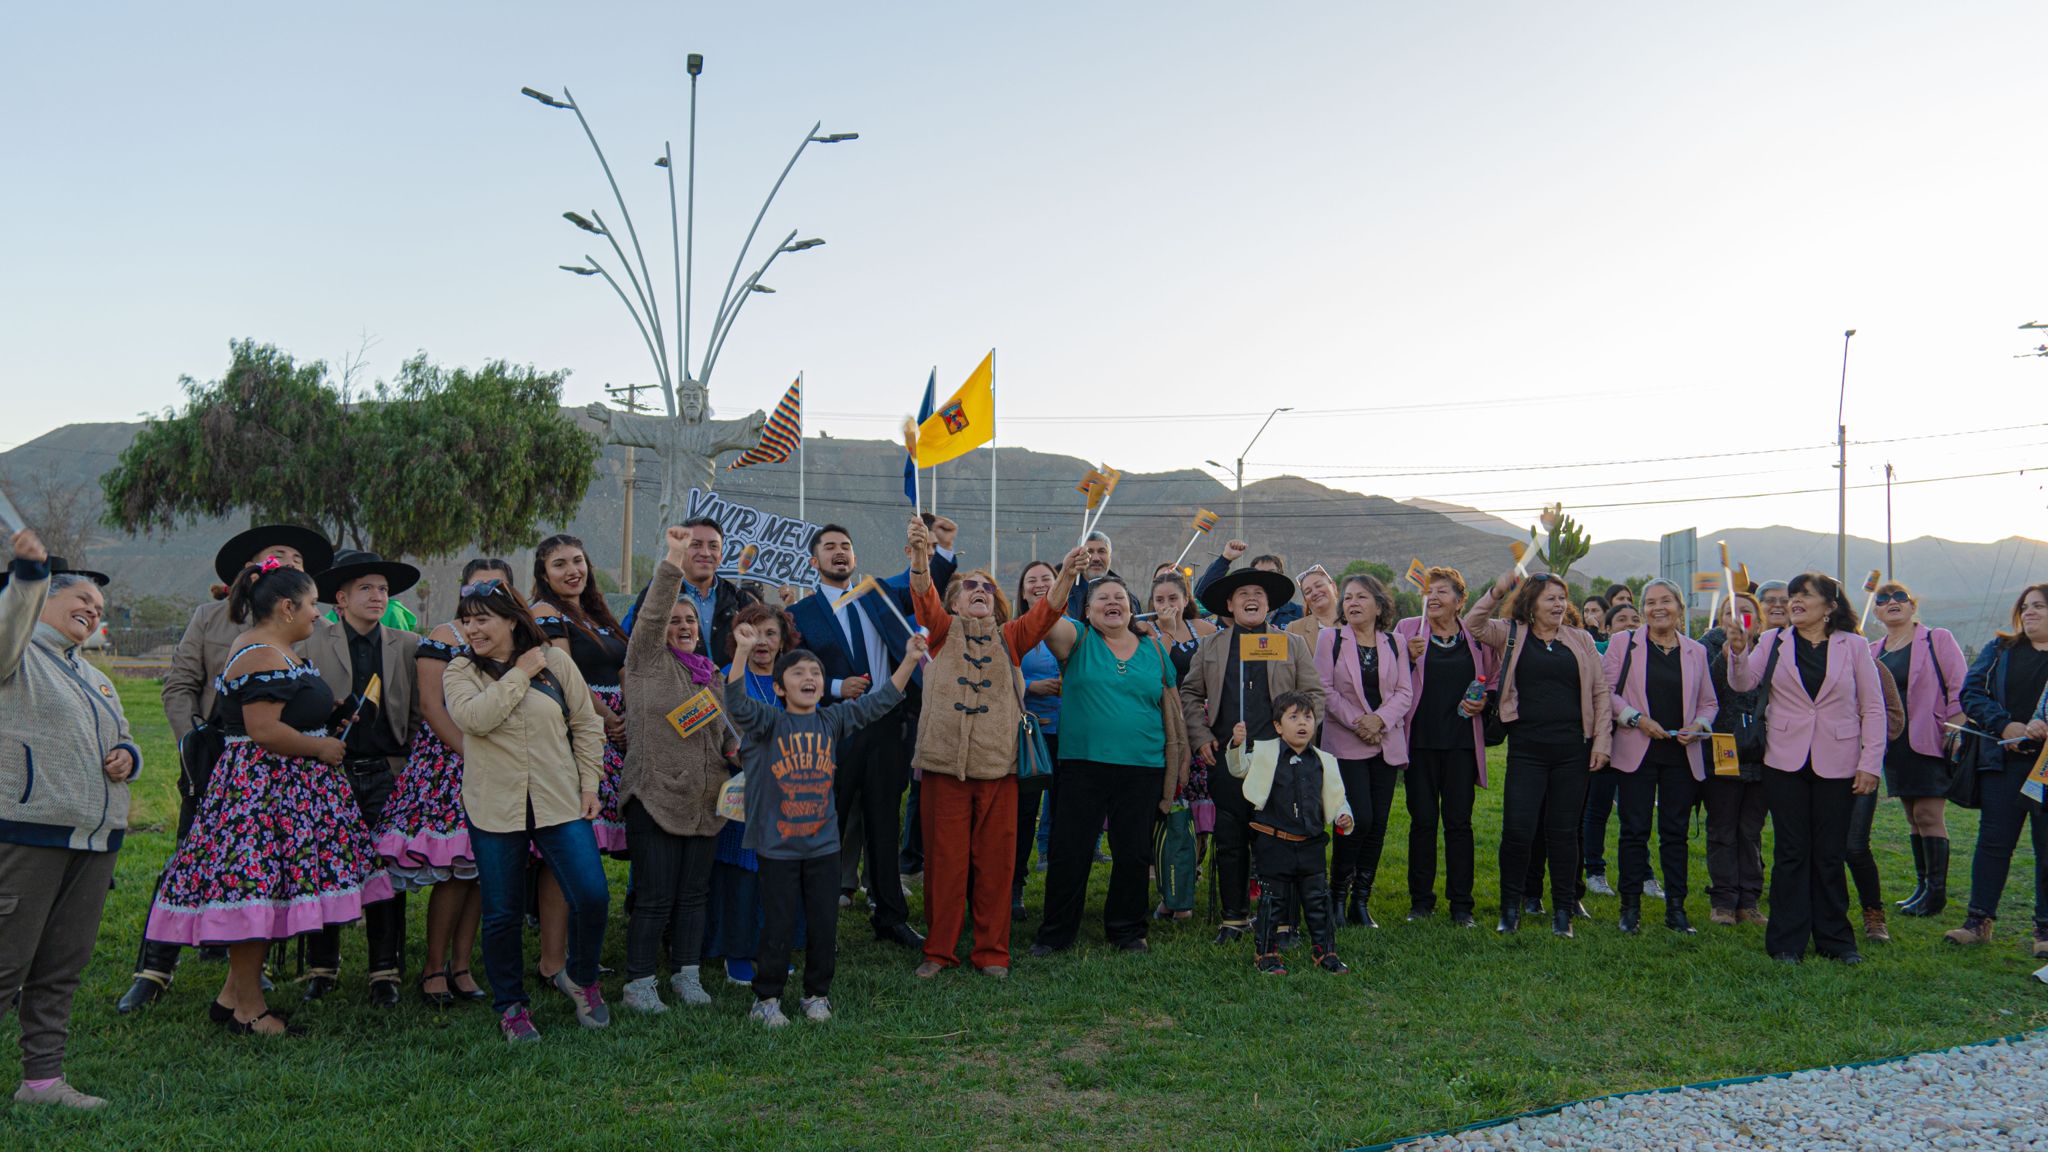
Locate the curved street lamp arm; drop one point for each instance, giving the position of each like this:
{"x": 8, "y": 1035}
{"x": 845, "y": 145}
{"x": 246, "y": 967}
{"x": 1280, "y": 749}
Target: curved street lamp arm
{"x": 725, "y": 298}
{"x": 667, "y": 393}
{"x": 659, "y": 360}
{"x": 643, "y": 293}
{"x": 724, "y": 328}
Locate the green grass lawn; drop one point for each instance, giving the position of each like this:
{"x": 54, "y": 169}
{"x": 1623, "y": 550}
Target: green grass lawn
{"x": 1185, "y": 1047}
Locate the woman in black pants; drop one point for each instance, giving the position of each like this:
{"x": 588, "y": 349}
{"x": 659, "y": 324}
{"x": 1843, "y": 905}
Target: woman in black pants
{"x": 1664, "y": 706}
{"x": 1365, "y": 677}
{"x": 1555, "y": 703}
{"x": 2004, "y": 693}
{"x": 1735, "y": 804}
{"x": 1824, "y": 715}
{"x": 1446, "y": 745}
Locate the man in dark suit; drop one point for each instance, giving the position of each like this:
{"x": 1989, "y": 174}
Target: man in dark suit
{"x": 349, "y": 652}
{"x": 856, "y": 642}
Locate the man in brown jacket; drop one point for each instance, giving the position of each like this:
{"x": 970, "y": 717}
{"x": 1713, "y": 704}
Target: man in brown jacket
{"x": 1222, "y": 691}
{"x": 352, "y": 654}
{"x": 196, "y": 663}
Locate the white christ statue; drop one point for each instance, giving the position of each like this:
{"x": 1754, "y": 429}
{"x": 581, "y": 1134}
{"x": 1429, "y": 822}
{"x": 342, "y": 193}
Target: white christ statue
{"x": 689, "y": 444}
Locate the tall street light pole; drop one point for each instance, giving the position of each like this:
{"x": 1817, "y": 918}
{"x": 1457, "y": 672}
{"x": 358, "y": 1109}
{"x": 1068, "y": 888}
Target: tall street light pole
{"x": 1240, "y": 468}
{"x": 1888, "y": 574}
{"x": 1842, "y": 471}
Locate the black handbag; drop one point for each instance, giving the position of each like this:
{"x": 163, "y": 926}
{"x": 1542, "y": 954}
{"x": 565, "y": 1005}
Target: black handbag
{"x": 1495, "y": 731}
{"x": 1752, "y": 739}
{"x": 198, "y": 752}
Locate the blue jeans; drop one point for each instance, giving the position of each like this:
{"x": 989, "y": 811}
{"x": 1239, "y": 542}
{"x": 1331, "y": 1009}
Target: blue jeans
{"x": 570, "y": 852}
{"x": 1998, "y": 834}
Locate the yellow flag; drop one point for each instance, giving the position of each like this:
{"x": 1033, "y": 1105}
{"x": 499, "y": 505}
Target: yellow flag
{"x": 964, "y": 422}
{"x": 1262, "y": 646}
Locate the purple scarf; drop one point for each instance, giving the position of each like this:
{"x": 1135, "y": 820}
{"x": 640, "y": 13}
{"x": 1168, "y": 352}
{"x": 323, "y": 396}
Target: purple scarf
{"x": 701, "y": 671}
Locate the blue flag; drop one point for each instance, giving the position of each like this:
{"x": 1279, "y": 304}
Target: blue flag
{"x": 924, "y": 413}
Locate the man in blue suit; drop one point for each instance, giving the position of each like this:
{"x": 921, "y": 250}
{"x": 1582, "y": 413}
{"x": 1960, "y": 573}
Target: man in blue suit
{"x": 856, "y": 643}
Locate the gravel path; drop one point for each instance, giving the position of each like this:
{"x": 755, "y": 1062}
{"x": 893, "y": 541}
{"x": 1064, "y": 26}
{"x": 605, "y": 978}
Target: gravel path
{"x": 1992, "y": 1096}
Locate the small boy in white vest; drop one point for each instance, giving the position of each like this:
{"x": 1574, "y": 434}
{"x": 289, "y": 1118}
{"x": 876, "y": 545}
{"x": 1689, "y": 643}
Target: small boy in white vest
{"x": 1294, "y": 790}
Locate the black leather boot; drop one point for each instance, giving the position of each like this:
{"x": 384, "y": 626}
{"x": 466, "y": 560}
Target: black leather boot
{"x": 1936, "y": 899}
{"x": 1357, "y": 909}
{"x": 1631, "y": 914}
{"x": 1909, "y": 906}
{"x": 1675, "y": 917}
{"x": 384, "y": 927}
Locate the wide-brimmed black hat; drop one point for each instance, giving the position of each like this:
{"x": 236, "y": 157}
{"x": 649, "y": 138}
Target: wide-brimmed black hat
{"x": 1279, "y": 589}
{"x": 60, "y": 567}
{"x": 350, "y": 564}
{"x": 240, "y": 548}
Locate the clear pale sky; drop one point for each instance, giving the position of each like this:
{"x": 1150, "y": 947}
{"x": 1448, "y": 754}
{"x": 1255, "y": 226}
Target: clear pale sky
{"x": 1453, "y": 237}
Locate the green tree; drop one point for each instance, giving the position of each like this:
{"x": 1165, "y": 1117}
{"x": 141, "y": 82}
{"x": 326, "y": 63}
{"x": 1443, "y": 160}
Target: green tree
{"x": 423, "y": 467}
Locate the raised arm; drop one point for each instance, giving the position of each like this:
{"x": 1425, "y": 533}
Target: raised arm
{"x": 645, "y": 646}
{"x": 21, "y": 602}
{"x": 1479, "y": 619}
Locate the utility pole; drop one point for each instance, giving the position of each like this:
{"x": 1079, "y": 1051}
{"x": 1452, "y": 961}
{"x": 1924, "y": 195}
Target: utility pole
{"x": 1842, "y": 471}
{"x": 631, "y": 404}
{"x": 1888, "y": 570}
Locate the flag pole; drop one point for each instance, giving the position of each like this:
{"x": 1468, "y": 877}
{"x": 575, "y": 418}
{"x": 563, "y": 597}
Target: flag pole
{"x": 993, "y": 427}
{"x": 1184, "y": 552}
{"x": 799, "y": 453}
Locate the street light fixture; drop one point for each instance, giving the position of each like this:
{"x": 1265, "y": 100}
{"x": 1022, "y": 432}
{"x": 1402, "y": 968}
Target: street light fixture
{"x": 1240, "y": 467}
{"x": 577, "y": 269}
{"x": 640, "y": 303}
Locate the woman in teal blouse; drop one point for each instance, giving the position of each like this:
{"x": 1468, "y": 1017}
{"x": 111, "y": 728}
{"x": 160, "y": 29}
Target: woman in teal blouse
{"x": 1115, "y": 744}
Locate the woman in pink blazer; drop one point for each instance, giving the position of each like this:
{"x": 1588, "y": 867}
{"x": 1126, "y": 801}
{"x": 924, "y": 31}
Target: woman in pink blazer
{"x": 1929, "y": 668}
{"x": 1365, "y": 682}
{"x": 1446, "y": 745}
{"x": 1825, "y": 737}
{"x": 1664, "y": 707}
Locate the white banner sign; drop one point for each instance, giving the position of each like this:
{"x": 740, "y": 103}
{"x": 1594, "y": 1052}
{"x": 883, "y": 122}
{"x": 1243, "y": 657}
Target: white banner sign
{"x": 780, "y": 544}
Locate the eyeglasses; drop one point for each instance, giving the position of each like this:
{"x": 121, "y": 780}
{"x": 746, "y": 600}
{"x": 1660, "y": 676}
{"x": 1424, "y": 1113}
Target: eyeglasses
{"x": 1315, "y": 570}
{"x": 977, "y": 586}
{"x": 1893, "y": 598}
{"x": 482, "y": 587}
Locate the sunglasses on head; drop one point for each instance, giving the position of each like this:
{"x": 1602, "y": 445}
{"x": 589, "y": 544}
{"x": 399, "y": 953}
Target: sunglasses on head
{"x": 482, "y": 587}
{"x": 973, "y": 585}
{"x": 1893, "y": 598}
{"x": 1315, "y": 569}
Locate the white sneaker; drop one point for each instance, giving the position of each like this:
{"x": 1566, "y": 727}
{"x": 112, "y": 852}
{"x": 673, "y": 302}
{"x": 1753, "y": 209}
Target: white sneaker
{"x": 643, "y": 996}
{"x": 1597, "y": 884}
{"x": 688, "y": 987}
{"x": 1652, "y": 889}
{"x": 817, "y": 1009}
{"x": 768, "y": 1013}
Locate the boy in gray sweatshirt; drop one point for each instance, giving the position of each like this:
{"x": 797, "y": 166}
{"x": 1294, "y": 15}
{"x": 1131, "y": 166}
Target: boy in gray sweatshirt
{"x": 792, "y": 814}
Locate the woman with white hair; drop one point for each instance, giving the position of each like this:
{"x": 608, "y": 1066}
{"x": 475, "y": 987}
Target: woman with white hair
{"x": 1664, "y": 707}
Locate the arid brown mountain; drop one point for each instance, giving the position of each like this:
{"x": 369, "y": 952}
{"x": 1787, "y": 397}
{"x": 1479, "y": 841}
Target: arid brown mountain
{"x": 858, "y": 483}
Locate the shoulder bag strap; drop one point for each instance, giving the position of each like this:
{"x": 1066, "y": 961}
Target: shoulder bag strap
{"x": 1506, "y": 654}
{"x": 1628, "y": 656}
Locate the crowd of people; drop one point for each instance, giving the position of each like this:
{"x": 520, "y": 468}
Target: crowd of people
{"x": 748, "y": 754}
